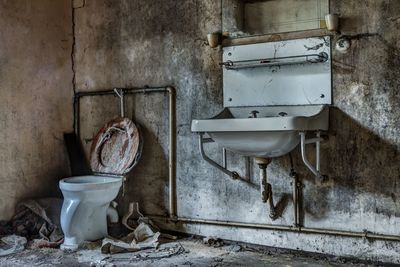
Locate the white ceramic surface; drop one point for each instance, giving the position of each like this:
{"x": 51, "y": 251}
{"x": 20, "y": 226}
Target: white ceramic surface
{"x": 84, "y": 210}
{"x": 273, "y": 133}
{"x": 276, "y": 82}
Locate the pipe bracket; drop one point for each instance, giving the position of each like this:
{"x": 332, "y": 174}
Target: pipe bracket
{"x": 317, "y": 141}
{"x": 234, "y": 175}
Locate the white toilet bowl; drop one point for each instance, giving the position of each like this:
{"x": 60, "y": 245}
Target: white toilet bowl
{"x": 84, "y": 211}
{"x": 115, "y": 150}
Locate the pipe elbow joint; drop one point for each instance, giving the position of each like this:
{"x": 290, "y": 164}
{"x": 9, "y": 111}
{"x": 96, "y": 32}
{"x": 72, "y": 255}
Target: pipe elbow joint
{"x": 171, "y": 90}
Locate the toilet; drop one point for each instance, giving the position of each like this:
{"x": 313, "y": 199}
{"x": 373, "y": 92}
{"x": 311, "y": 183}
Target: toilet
{"x": 115, "y": 150}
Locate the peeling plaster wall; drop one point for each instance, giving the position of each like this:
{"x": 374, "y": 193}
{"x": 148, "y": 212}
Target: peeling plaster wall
{"x": 136, "y": 43}
{"x": 35, "y": 93}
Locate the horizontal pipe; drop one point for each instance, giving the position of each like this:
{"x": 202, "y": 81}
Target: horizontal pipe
{"x": 286, "y": 228}
{"x": 227, "y": 223}
{"x": 124, "y": 90}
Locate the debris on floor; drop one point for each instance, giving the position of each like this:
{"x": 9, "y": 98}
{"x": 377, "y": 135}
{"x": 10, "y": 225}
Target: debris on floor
{"x": 164, "y": 251}
{"x": 37, "y": 221}
{"x": 144, "y": 234}
{"x": 234, "y": 248}
{"x": 213, "y": 241}
{"x": 184, "y": 252}
{"x": 96, "y": 258}
{"x": 12, "y": 244}
{"x": 141, "y": 238}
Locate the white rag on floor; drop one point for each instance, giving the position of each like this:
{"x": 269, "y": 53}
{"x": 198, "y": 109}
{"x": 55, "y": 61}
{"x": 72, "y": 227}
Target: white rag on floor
{"x": 142, "y": 237}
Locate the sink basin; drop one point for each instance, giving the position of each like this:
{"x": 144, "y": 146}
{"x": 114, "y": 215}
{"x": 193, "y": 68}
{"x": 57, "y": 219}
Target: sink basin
{"x": 270, "y": 131}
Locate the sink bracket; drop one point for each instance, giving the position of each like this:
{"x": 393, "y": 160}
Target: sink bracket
{"x": 234, "y": 175}
{"x": 317, "y": 141}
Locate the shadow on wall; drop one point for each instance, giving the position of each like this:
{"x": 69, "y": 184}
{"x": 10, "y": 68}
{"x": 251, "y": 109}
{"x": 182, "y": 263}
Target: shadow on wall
{"x": 360, "y": 165}
{"x": 362, "y": 168}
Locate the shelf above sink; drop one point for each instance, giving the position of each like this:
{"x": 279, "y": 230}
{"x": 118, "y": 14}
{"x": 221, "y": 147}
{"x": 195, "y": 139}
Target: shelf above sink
{"x": 277, "y": 61}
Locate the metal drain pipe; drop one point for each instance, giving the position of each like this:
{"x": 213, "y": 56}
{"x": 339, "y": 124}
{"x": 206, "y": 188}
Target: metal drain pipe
{"x": 296, "y": 185}
{"x": 297, "y": 228}
{"x": 265, "y": 187}
{"x": 171, "y": 124}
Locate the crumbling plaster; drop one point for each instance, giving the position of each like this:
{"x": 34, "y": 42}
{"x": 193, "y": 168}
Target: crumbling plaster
{"x": 136, "y": 43}
{"x": 36, "y": 94}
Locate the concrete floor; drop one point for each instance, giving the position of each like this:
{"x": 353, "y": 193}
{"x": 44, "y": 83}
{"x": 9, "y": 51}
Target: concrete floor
{"x": 185, "y": 252}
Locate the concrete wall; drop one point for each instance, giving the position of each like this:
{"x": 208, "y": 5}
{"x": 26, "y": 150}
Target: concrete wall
{"x": 264, "y": 17}
{"x": 137, "y": 43}
{"x": 35, "y": 93}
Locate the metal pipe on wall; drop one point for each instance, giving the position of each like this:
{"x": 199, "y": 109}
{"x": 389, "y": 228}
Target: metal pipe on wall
{"x": 171, "y": 121}
{"x": 286, "y": 228}
{"x": 297, "y": 228}
{"x": 224, "y": 163}
{"x": 295, "y": 197}
{"x": 172, "y": 176}
{"x": 172, "y": 152}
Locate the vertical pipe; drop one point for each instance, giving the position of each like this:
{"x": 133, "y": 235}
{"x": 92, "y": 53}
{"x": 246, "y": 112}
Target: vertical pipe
{"x": 224, "y": 163}
{"x": 120, "y": 94}
{"x": 295, "y": 201}
{"x": 298, "y": 204}
{"x": 77, "y": 116}
{"x": 317, "y": 151}
{"x": 296, "y": 198}
{"x": 172, "y": 152}
{"x": 263, "y": 182}
{"x": 122, "y": 104}
{"x": 248, "y": 170}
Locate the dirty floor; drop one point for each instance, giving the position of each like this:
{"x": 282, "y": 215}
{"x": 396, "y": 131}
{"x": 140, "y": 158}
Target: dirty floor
{"x": 185, "y": 252}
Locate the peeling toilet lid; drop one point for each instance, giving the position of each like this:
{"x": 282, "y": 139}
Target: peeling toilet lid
{"x": 117, "y": 147}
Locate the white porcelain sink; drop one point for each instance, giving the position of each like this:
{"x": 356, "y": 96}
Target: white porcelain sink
{"x": 272, "y": 133}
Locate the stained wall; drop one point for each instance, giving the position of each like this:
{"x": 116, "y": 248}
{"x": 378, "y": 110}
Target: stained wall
{"x": 135, "y": 43}
{"x": 36, "y": 98}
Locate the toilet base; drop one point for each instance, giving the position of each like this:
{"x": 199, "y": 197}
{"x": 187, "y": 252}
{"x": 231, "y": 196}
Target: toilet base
{"x": 69, "y": 244}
